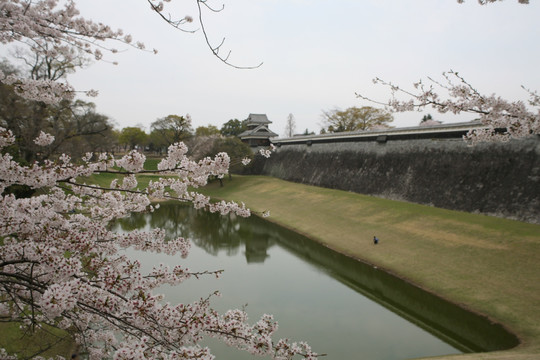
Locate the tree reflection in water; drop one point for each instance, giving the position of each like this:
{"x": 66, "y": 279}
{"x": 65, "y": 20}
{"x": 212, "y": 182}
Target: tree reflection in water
{"x": 211, "y": 232}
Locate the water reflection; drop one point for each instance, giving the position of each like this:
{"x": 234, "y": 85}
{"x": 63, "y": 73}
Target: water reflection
{"x": 211, "y": 232}
{"x": 291, "y": 286}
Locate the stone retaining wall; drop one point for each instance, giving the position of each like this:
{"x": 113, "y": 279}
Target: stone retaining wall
{"x": 501, "y": 179}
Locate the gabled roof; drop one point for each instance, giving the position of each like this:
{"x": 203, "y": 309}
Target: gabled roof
{"x": 261, "y": 132}
{"x": 257, "y": 119}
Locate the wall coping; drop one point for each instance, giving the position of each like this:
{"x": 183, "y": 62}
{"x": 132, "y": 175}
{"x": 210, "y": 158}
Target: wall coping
{"x": 455, "y": 130}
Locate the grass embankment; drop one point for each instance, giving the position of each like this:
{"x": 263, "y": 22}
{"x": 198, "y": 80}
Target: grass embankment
{"x": 104, "y": 179}
{"x": 486, "y": 264}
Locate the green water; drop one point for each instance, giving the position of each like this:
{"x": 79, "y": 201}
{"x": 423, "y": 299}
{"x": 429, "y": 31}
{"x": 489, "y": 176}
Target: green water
{"x": 343, "y": 308}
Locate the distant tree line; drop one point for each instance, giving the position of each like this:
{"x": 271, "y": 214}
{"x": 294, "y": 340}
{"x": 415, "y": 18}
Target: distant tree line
{"x": 79, "y": 129}
{"x": 75, "y": 124}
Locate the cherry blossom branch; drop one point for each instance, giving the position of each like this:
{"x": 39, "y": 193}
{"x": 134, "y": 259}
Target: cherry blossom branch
{"x": 61, "y": 265}
{"x": 501, "y": 119}
{"x": 158, "y": 7}
{"x": 49, "y": 31}
{"x": 177, "y": 24}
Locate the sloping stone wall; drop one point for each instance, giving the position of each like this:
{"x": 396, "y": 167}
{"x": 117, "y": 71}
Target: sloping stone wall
{"x": 501, "y": 179}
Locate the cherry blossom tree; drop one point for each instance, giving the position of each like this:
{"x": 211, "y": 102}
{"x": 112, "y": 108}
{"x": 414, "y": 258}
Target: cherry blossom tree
{"x": 60, "y": 264}
{"x": 55, "y": 30}
{"x": 52, "y": 31}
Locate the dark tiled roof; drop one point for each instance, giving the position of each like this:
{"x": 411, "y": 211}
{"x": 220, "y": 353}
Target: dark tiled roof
{"x": 256, "y": 119}
{"x": 260, "y": 131}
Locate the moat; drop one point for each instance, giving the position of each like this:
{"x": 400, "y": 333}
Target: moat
{"x": 341, "y": 307}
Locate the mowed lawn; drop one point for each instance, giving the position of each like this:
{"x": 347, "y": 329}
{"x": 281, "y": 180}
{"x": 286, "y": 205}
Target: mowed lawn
{"x": 486, "y": 264}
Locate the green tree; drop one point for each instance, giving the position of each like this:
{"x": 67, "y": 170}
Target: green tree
{"x": 132, "y": 137}
{"x": 207, "y": 130}
{"x": 354, "y": 118}
{"x": 427, "y": 120}
{"x": 173, "y": 128}
{"x": 233, "y": 127}
{"x": 156, "y": 142}
{"x": 427, "y": 117}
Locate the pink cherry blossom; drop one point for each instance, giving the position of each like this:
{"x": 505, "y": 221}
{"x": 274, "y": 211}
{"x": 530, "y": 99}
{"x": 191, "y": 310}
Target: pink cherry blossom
{"x": 60, "y": 259}
{"x": 44, "y": 139}
{"x": 501, "y": 119}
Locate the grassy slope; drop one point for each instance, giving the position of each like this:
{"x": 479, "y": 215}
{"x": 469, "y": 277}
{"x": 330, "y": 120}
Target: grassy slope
{"x": 486, "y": 264}
{"x": 44, "y": 343}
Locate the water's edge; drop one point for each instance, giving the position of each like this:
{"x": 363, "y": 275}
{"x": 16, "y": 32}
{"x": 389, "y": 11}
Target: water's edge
{"x": 463, "y": 328}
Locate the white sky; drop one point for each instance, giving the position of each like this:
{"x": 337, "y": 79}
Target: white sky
{"x": 316, "y": 54}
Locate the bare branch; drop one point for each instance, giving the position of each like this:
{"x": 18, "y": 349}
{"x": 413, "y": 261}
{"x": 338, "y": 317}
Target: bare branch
{"x": 215, "y": 49}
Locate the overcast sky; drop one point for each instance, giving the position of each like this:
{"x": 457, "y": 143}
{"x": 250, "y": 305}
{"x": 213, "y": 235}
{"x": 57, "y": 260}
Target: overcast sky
{"x": 317, "y": 54}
